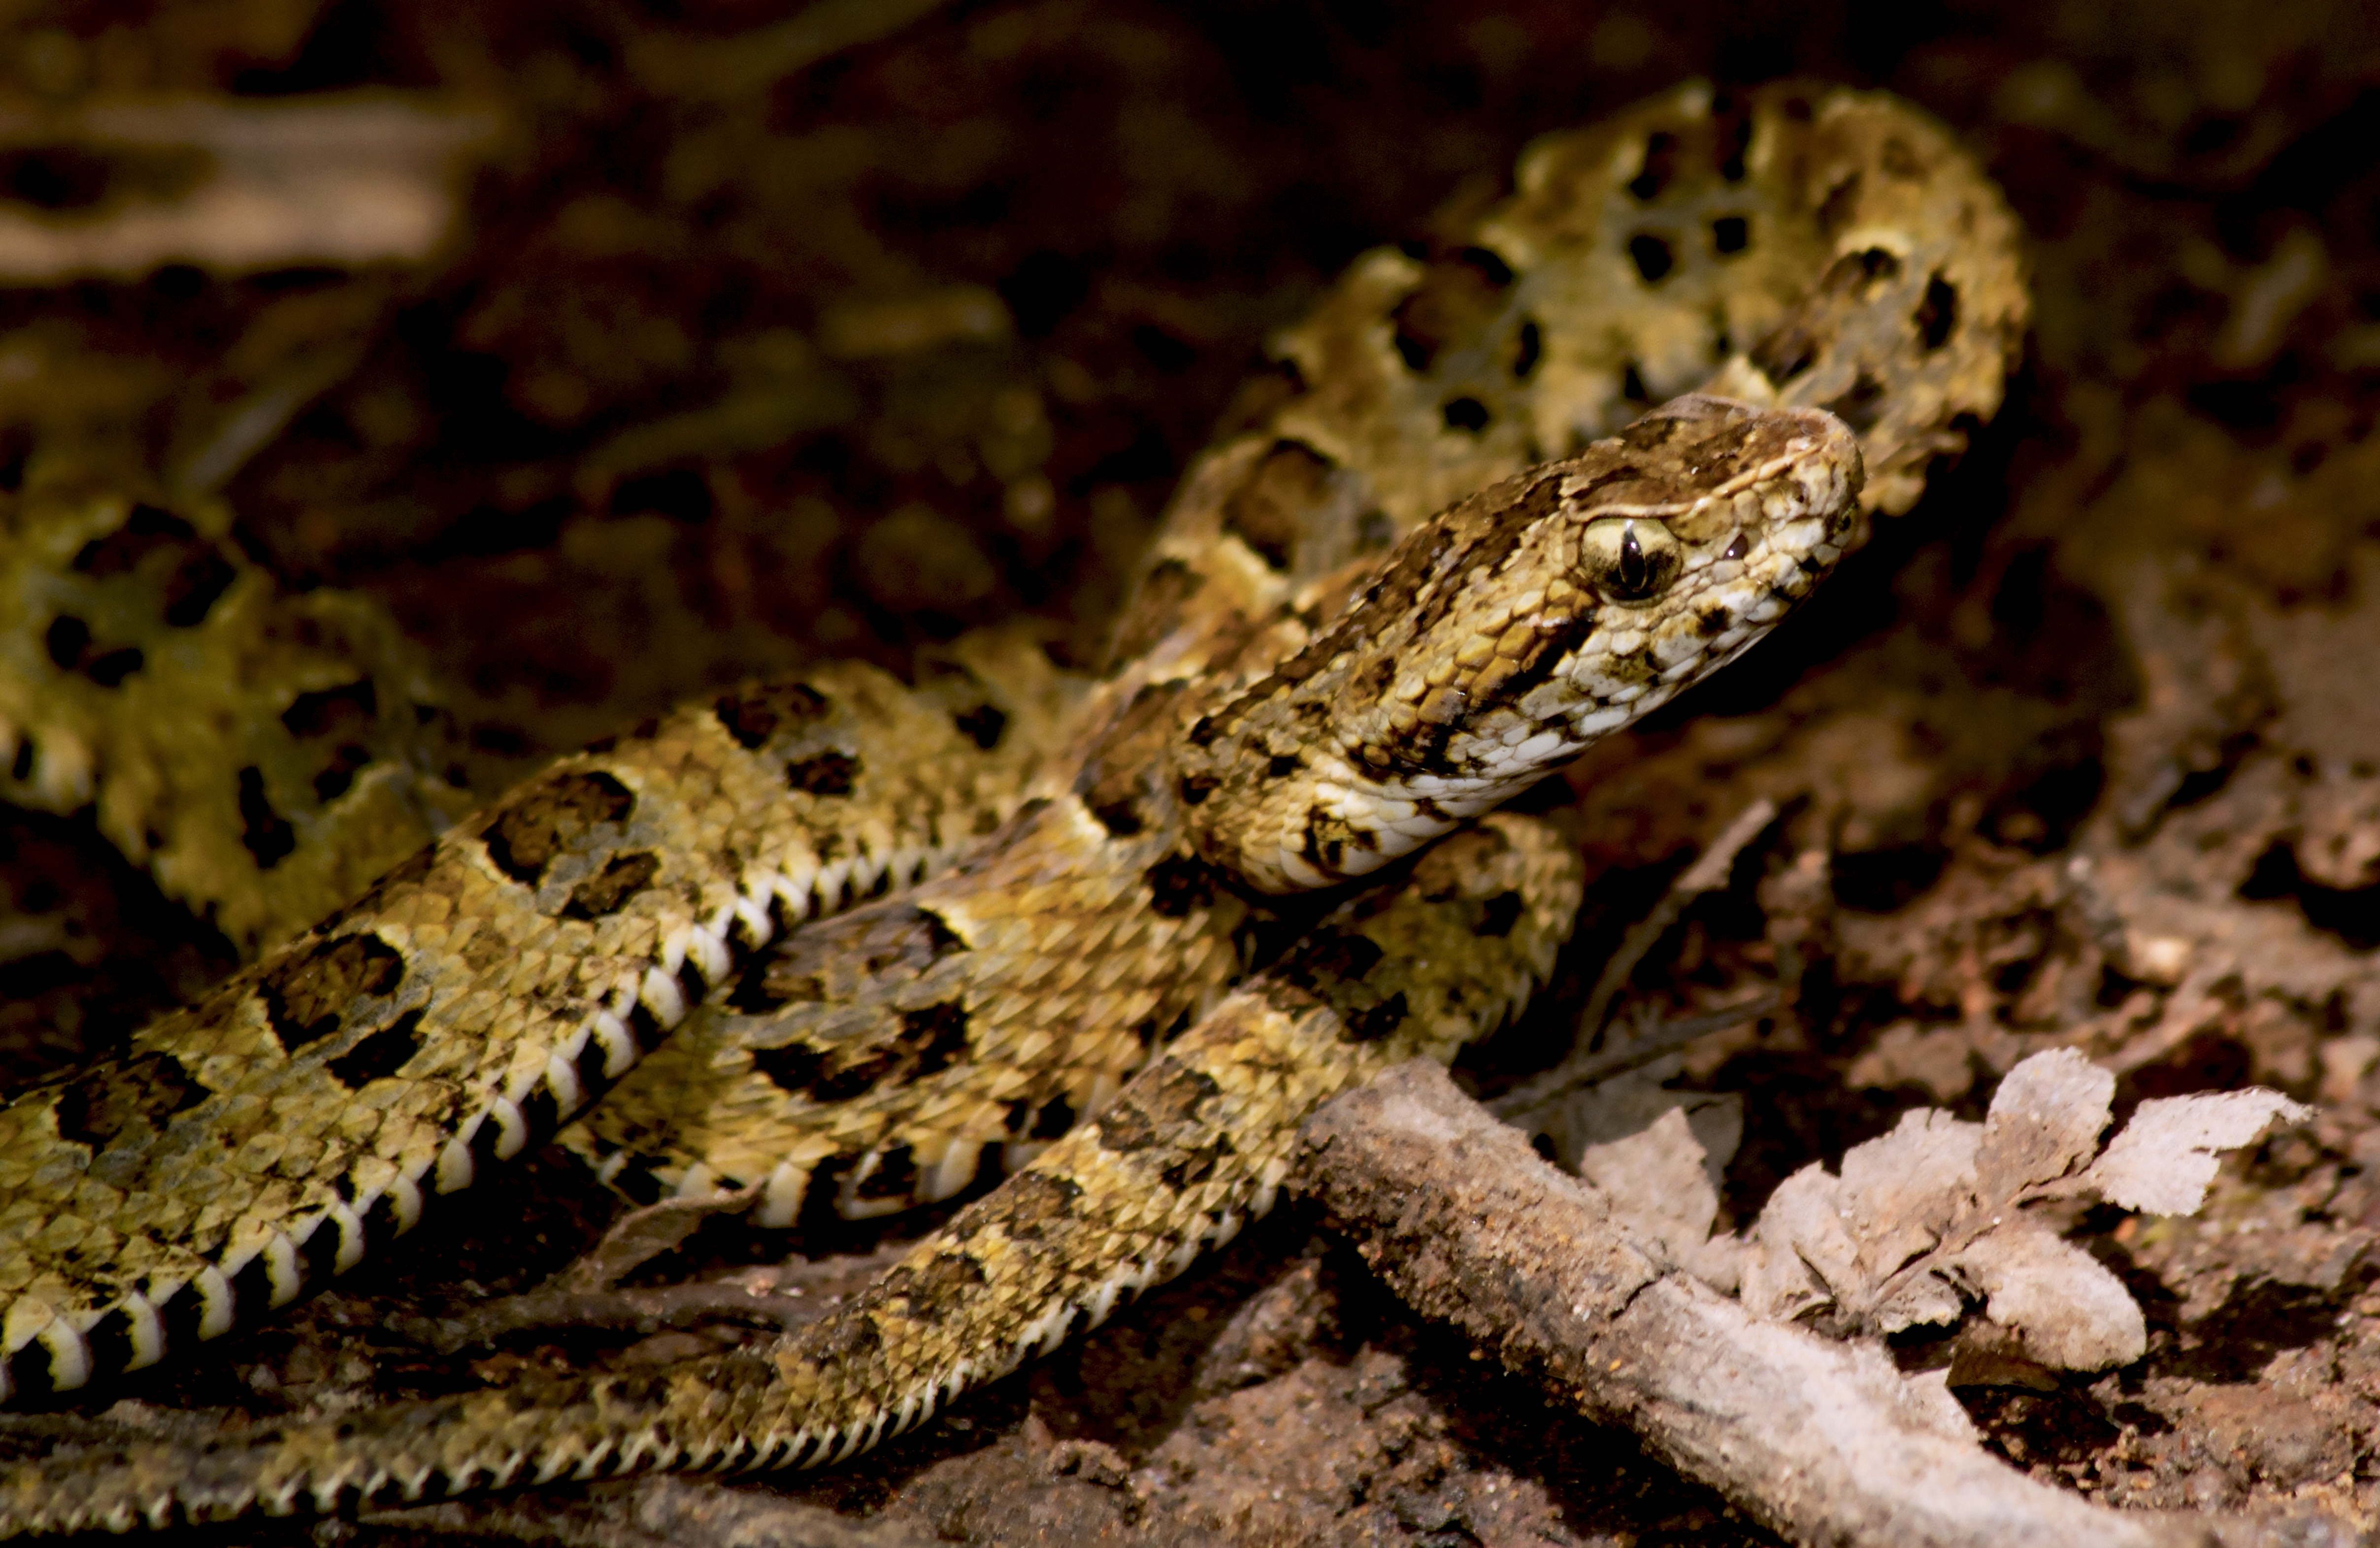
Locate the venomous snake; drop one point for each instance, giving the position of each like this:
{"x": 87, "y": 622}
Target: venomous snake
{"x": 1124, "y": 913}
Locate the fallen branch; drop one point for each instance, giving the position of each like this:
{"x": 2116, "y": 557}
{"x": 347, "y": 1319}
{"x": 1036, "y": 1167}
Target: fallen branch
{"x": 1824, "y": 1442}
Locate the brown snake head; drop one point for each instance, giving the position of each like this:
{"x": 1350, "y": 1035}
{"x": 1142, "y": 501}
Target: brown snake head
{"x": 1502, "y": 637}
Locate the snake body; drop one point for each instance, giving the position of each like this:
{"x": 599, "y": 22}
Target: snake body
{"x": 1291, "y": 707}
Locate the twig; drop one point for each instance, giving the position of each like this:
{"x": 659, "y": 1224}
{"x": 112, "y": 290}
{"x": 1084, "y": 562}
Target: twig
{"x": 1587, "y": 1067}
{"x": 1824, "y": 1442}
{"x": 1707, "y": 873}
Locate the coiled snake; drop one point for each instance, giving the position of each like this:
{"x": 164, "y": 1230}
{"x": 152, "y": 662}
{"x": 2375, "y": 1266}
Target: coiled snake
{"x": 1133, "y": 904}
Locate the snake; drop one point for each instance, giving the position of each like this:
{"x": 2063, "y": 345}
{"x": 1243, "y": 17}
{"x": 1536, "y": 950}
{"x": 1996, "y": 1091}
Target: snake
{"x": 854, "y": 943}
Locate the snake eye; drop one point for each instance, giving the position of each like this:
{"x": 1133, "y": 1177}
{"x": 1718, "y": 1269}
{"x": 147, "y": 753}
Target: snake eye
{"x": 1629, "y": 558}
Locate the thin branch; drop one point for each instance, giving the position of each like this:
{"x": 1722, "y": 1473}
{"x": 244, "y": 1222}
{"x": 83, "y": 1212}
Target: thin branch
{"x": 1706, "y": 875}
{"x": 1587, "y": 1068}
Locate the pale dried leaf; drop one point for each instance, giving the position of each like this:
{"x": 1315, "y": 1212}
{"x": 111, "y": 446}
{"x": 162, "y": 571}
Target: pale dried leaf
{"x": 1899, "y": 1190}
{"x": 1629, "y": 1104}
{"x": 2046, "y": 1120}
{"x": 1656, "y": 1185}
{"x": 1804, "y": 1218}
{"x": 2062, "y": 1305}
{"x": 2164, "y": 1159}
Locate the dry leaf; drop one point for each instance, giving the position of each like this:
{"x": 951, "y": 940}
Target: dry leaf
{"x": 1629, "y": 1104}
{"x": 1900, "y": 1191}
{"x": 1926, "y": 1221}
{"x": 2165, "y": 1158}
{"x": 1657, "y": 1181}
{"x": 2063, "y": 1306}
{"x": 2046, "y": 1119}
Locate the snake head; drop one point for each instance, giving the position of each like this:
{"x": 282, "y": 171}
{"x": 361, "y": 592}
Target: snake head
{"x": 1503, "y": 637}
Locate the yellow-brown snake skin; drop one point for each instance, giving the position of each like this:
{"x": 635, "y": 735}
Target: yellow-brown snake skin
{"x": 1098, "y": 903}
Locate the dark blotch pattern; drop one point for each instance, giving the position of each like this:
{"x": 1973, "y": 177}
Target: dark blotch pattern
{"x": 1937, "y": 313}
{"x": 827, "y": 774}
{"x": 1329, "y": 968}
{"x": 984, "y": 725}
{"x": 1167, "y": 1095}
{"x": 930, "y": 1041}
{"x": 1263, "y": 511}
{"x": 328, "y": 711}
{"x": 268, "y": 837}
{"x": 140, "y": 1094}
{"x": 856, "y": 1079}
{"x": 934, "y": 1038}
{"x": 1180, "y": 883}
{"x": 1373, "y": 1022}
{"x": 1196, "y": 1163}
{"x": 943, "y": 1285}
{"x": 609, "y": 891}
{"x": 1121, "y": 818}
{"x": 192, "y": 571}
{"x": 378, "y": 1055}
{"x": 1652, "y": 257}
{"x": 1458, "y": 299}
{"x": 1529, "y": 348}
{"x": 67, "y": 639}
{"x": 1659, "y": 165}
{"x": 552, "y": 815}
{"x": 69, "y": 642}
{"x": 1027, "y": 1207}
{"x": 792, "y": 1067}
{"x": 753, "y": 715}
{"x": 147, "y": 530}
{"x": 307, "y": 992}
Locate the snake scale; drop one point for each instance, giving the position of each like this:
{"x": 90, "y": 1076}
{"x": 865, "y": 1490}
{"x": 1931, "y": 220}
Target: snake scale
{"x": 1113, "y": 935}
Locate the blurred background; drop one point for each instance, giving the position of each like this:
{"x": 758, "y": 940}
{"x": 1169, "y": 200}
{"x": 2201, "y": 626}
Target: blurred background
{"x": 396, "y": 392}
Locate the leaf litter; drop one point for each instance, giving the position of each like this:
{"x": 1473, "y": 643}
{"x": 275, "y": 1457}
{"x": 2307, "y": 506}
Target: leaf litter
{"x": 1943, "y": 1221}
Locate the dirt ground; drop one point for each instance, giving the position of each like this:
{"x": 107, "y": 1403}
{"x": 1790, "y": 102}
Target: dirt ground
{"x": 752, "y": 346}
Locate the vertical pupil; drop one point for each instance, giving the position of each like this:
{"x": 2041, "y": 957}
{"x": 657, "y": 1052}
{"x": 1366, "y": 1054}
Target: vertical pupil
{"x": 1632, "y": 561}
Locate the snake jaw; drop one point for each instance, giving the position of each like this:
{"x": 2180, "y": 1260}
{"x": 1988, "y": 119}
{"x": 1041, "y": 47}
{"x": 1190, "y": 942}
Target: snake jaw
{"x": 1509, "y": 632}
